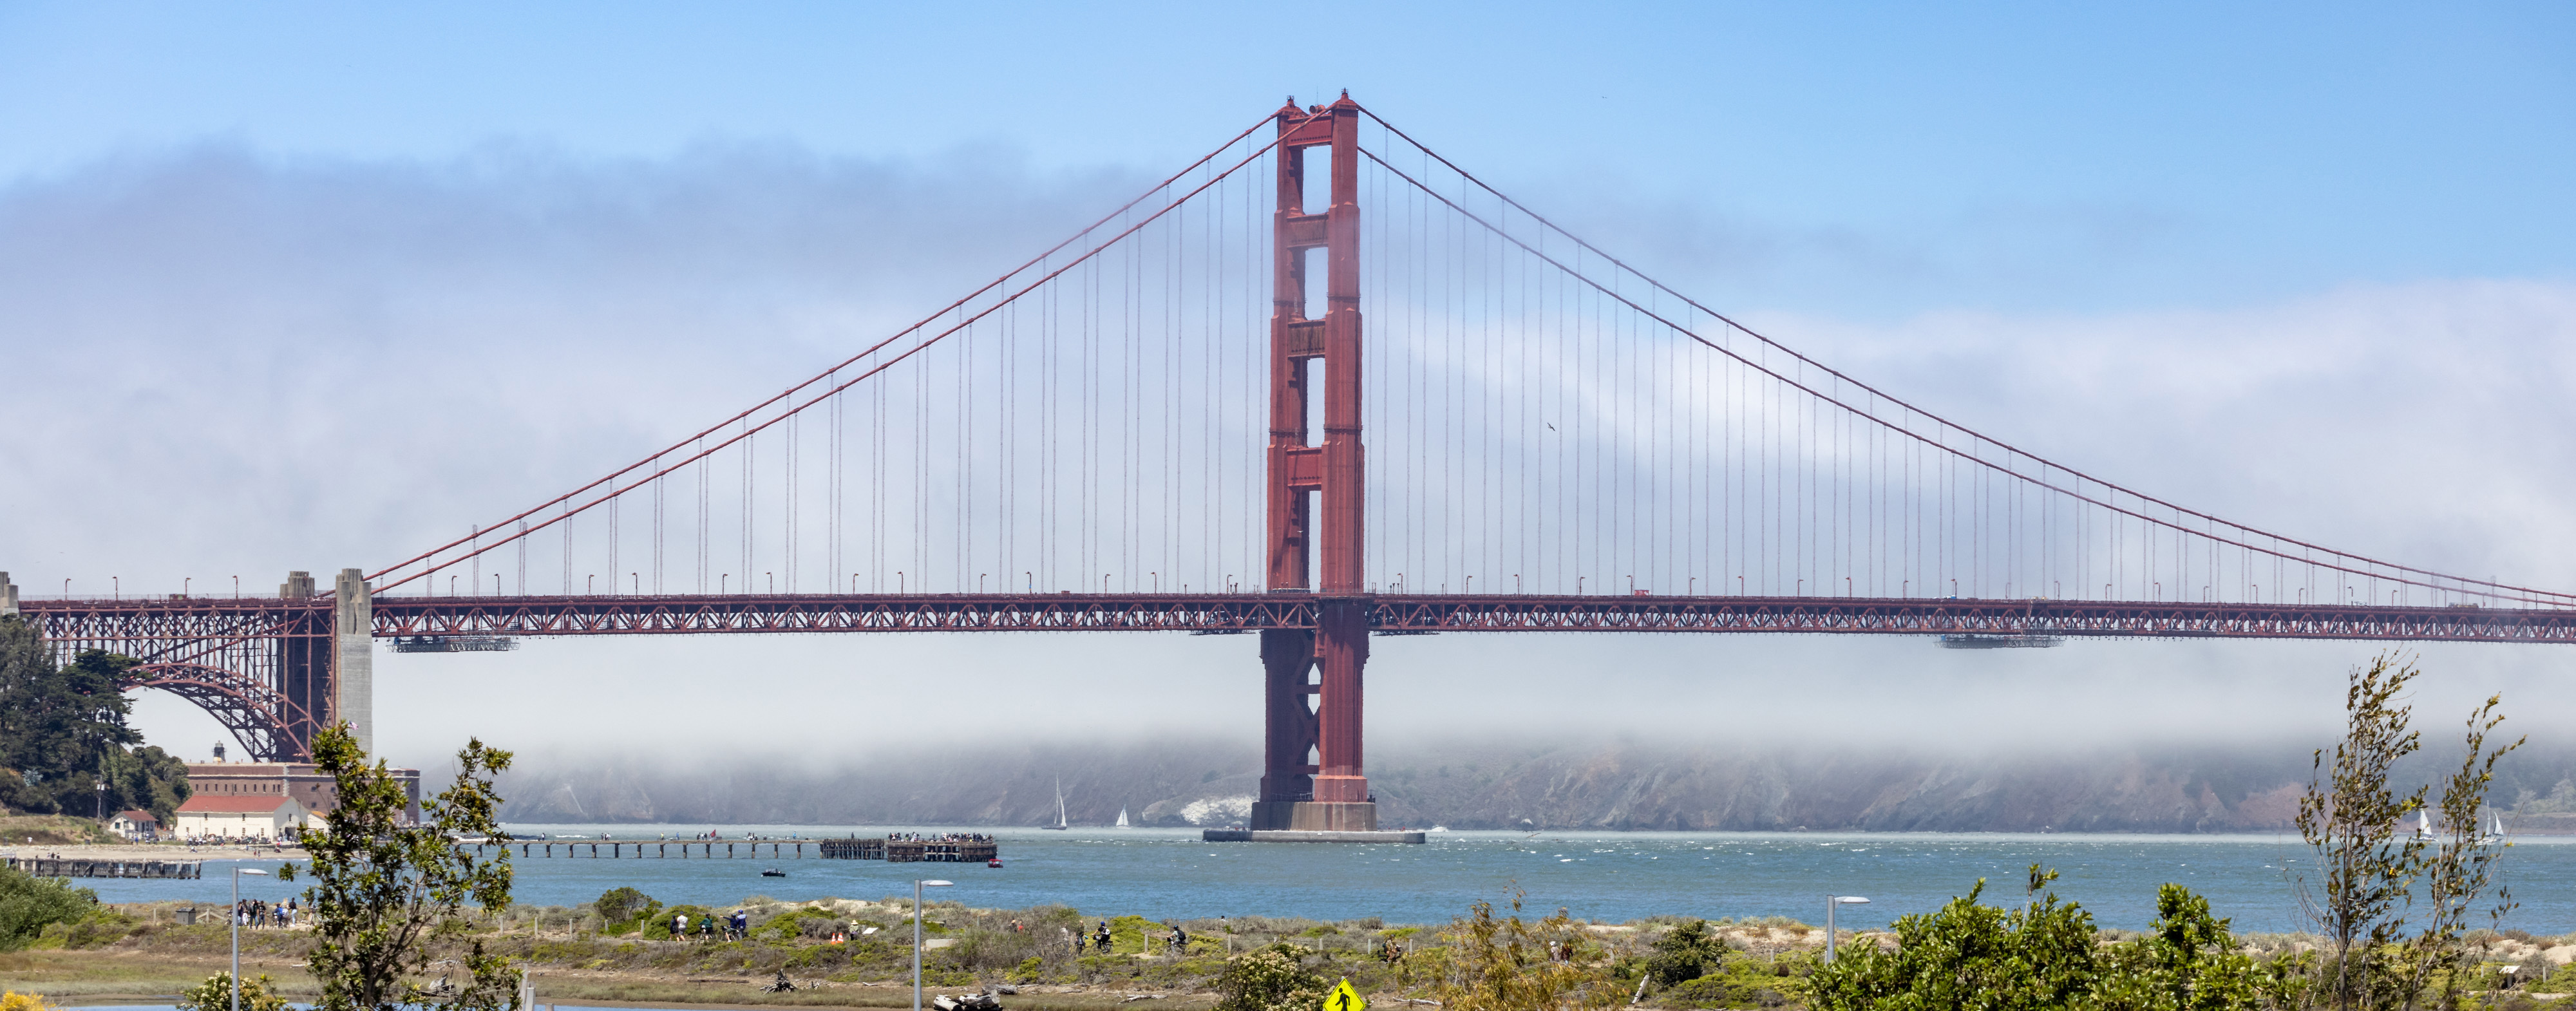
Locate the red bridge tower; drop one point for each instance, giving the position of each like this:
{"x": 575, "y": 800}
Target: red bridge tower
{"x": 1311, "y": 777}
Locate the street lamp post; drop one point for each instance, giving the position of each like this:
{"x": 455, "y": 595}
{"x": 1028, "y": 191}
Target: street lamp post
{"x": 234, "y": 914}
{"x": 1832, "y": 901}
{"x": 917, "y": 886}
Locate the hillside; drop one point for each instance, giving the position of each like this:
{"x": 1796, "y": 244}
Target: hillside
{"x": 1610, "y": 786}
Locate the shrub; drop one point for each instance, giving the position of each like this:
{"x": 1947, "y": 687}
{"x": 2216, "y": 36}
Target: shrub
{"x": 29, "y": 903}
{"x": 1685, "y": 953}
{"x": 15, "y": 1001}
{"x": 623, "y": 904}
{"x": 258, "y": 993}
{"x": 1271, "y": 979}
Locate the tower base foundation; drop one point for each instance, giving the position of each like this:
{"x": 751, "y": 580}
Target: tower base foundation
{"x": 1311, "y": 816}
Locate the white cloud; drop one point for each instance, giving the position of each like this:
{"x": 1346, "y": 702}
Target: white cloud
{"x": 219, "y": 364}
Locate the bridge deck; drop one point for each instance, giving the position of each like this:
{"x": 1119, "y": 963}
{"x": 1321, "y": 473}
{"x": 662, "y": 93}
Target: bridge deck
{"x": 137, "y": 625}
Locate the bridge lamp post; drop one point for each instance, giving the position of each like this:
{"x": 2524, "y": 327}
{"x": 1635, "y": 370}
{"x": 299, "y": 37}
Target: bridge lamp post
{"x": 917, "y": 886}
{"x": 184, "y": 584}
{"x": 234, "y": 914}
{"x": 1832, "y": 901}
{"x": 773, "y": 582}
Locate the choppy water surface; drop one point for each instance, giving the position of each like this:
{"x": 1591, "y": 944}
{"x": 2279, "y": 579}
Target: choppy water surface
{"x": 1602, "y": 875}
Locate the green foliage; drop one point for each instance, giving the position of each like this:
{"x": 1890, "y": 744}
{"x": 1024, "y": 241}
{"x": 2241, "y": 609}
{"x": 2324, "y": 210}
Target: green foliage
{"x": 2045, "y": 956}
{"x": 623, "y": 904}
{"x": 1509, "y": 964}
{"x": 1969, "y": 955}
{"x": 258, "y": 993}
{"x": 382, "y": 888}
{"x": 2350, "y": 817}
{"x": 658, "y": 926}
{"x": 28, "y": 904}
{"x": 63, "y": 729}
{"x": 1270, "y": 979}
{"x": 1685, "y": 953}
{"x": 103, "y": 926}
{"x": 2186, "y": 962}
{"x": 2375, "y": 871}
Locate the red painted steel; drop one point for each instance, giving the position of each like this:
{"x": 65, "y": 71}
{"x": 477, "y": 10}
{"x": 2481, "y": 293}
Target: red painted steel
{"x": 1298, "y": 472}
{"x": 260, "y": 666}
{"x": 158, "y": 629}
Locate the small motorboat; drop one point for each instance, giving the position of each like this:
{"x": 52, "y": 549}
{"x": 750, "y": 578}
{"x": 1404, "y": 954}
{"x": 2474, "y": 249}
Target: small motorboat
{"x": 995, "y": 863}
{"x": 773, "y": 873}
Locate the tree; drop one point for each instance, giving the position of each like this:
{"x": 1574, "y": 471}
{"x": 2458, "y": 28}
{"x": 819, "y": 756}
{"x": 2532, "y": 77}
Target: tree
{"x": 2350, "y": 817}
{"x": 383, "y": 887}
{"x": 2464, "y": 864}
{"x": 63, "y": 729}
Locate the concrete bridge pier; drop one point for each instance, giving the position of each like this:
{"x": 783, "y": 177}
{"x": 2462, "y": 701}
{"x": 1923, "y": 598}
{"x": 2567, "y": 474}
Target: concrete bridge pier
{"x": 353, "y": 656}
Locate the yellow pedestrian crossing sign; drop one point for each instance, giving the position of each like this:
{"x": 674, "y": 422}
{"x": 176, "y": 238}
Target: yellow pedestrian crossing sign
{"x": 1343, "y": 998}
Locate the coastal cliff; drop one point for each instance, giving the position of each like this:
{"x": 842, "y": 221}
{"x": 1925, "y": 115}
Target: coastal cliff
{"x": 1619, "y": 786}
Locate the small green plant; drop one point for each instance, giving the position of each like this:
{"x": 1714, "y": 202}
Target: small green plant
{"x": 258, "y": 993}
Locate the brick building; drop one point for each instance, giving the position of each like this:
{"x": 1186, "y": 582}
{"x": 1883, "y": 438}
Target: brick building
{"x": 312, "y": 791}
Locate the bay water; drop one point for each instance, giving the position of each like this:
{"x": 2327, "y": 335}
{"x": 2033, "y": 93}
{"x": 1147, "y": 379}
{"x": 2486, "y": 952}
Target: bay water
{"x": 1609, "y": 876}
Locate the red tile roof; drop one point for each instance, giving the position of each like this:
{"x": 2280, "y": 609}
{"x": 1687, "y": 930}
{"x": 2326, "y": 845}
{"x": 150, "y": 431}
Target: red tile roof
{"x": 248, "y": 804}
{"x": 139, "y": 817}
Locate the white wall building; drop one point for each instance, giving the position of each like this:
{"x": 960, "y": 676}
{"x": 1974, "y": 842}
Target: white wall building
{"x": 247, "y": 816}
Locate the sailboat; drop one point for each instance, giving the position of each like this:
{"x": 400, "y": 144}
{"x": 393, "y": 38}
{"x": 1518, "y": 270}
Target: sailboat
{"x": 2424, "y": 827}
{"x": 1122, "y": 816}
{"x": 1059, "y": 807}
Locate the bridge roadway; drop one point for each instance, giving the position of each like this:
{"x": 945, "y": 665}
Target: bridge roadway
{"x": 156, "y": 628}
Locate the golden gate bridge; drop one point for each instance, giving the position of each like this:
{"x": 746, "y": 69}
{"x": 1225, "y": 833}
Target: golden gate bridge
{"x": 1159, "y": 424}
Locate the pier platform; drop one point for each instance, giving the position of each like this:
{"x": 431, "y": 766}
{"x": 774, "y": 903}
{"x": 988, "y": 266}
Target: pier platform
{"x": 1291, "y": 835}
{"x": 48, "y": 867}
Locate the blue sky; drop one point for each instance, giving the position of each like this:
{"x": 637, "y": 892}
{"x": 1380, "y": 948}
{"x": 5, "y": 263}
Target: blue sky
{"x": 1892, "y": 157}
{"x": 2304, "y": 264}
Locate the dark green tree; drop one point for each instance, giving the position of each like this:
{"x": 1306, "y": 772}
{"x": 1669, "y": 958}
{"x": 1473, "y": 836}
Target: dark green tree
{"x": 63, "y": 729}
{"x": 1685, "y": 953}
{"x": 385, "y": 888}
{"x": 2351, "y": 819}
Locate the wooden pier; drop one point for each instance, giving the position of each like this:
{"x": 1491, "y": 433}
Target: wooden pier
{"x": 55, "y": 867}
{"x": 907, "y": 851}
{"x": 901, "y": 851}
{"x": 854, "y": 849}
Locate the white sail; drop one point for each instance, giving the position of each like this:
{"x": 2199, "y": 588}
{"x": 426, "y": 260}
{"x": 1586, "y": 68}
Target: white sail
{"x": 1059, "y": 805}
{"x": 1122, "y": 817}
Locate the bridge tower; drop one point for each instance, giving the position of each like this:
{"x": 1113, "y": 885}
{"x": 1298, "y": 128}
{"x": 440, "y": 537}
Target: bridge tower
{"x": 1312, "y": 777}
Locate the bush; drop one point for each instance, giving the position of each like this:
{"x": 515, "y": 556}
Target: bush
{"x": 1271, "y": 979}
{"x": 623, "y": 904}
{"x": 15, "y": 1001}
{"x": 258, "y": 993}
{"x": 28, "y": 904}
{"x": 102, "y": 927}
{"x": 1685, "y": 953}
